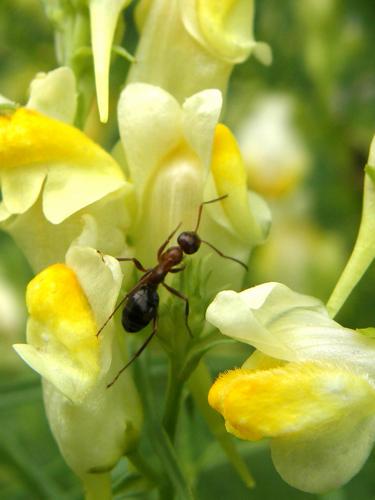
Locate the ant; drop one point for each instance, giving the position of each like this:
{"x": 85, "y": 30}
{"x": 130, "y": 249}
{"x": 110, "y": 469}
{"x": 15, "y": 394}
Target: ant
{"x": 141, "y": 303}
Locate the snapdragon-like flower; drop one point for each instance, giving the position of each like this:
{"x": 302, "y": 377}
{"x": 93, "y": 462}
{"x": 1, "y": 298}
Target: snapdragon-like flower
{"x": 179, "y": 156}
{"x": 55, "y": 181}
{"x": 93, "y": 426}
{"x": 309, "y": 386}
{"x": 188, "y": 46}
{"x": 275, "y": 156}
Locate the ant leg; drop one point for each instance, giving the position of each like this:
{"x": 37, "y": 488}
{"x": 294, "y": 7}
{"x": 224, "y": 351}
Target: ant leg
{"x": 112, "y": 314}
{"x": 138, "y": 353}
{"x": 207, "y": 203}
{"x": 226, "y": 256}
{"x": 136, "y": 262}
{"x": 162, "y": 248}
{"x": 175, "y": 292}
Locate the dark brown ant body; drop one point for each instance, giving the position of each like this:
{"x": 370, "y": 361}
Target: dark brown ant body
{"x": 142, "y": 302}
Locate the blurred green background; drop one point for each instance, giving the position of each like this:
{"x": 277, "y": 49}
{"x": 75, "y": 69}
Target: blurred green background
{"x": 322, "y": 82}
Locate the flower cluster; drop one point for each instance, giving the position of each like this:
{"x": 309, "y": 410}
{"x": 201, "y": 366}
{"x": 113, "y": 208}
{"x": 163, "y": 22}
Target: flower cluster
{"x": 75, "y": 208}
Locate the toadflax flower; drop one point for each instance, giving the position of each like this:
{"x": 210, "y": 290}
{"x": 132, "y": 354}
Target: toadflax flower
{"x": 309, "y": 386}
{"x": 190, "y": 45}
{"x": 275, "y": 156}
{"x": 55, "y": 181}
{"x": 179, "y": 156}
{"x": 93, "y": 426}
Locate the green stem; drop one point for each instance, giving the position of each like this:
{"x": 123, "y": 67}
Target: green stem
{"x": 143, "y": 467}
{"x": 362, "y": 255}
{"x": 97, "y": 486}
{"x": 172, "y": 401}
{"x": 160, "y": 441}
{"x": 199, "y": 385}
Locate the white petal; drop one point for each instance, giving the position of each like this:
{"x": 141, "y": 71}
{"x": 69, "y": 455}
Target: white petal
{"x": 150, "y": 127}
{"x": 289, "y": 326}
{"x": 59, "y": 370}
{"x": 54, "y": 94}
{"x": 200, "y": 116}
{"x": 232, "y": 316}
{"x": 99, "y": 276}
{"x": 318, "y": 463}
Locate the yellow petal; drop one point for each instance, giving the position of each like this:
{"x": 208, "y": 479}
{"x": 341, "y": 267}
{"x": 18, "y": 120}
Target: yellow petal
{"x": 230, "y": 178}
{"x": 225, "y": 27}
{"x": 70, "y": 323}
{"x": 47, "y": 148}
{"x": 289, "y": 400}
{"x": 27, "y": 137}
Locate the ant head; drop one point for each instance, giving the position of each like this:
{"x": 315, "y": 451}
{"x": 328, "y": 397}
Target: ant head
{"x": 189, "y": 242}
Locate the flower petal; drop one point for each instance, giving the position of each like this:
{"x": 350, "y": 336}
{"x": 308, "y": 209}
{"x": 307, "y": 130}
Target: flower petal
{"x": 324, "y": 462}
{"x": 62, "y": 345}
{"x": 72, "y": 160}
{"x": 150, "y": 128}
{"x": 289, "y": 326}
{"x": 224, "y": 28}
{"x": 54, "y": 94}
{"x": 172, "y": 198}
{"x": 320, "y": 417}
{"x": 230, "y": 178}
{"x": 200, "y": 115}
{"x": 292, "y": 399}
{"x": 234, "y": 318}
{"x": 104, "y": 16}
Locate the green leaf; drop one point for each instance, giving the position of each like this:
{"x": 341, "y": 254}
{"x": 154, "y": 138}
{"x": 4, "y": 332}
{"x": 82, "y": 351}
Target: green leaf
{"x": 38, "y": 482}
{"x": 199, "y": 385}
{"x": 159, "y": 438}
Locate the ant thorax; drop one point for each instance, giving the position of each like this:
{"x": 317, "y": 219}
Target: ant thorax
{"x": 171, "y": 257}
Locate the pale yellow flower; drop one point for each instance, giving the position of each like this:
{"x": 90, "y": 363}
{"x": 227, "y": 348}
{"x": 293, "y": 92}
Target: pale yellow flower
{"x": 309, "y": 386}
{"x": 93, "y": 426}
{"x": 55, "y": 181}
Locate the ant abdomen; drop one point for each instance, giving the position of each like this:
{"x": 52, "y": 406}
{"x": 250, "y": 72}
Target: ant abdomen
{"x": 140, "y": 309}
{"x": 189, "y": 242}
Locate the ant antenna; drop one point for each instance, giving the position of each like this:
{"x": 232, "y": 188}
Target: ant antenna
{"x": 207, "y": 203}
{"x": 210, "y": 244}
{"x": 225, "y": 256}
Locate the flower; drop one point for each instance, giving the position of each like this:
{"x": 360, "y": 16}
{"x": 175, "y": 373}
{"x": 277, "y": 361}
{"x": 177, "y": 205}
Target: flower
{"x": 178, "y": 156}
{"x": 93, "y": 426}
{"x": 275, "y": 156}
{"x": 55, "y": 181}
{"x": 309, "y": 386}
{"x": 189, "y": 46}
